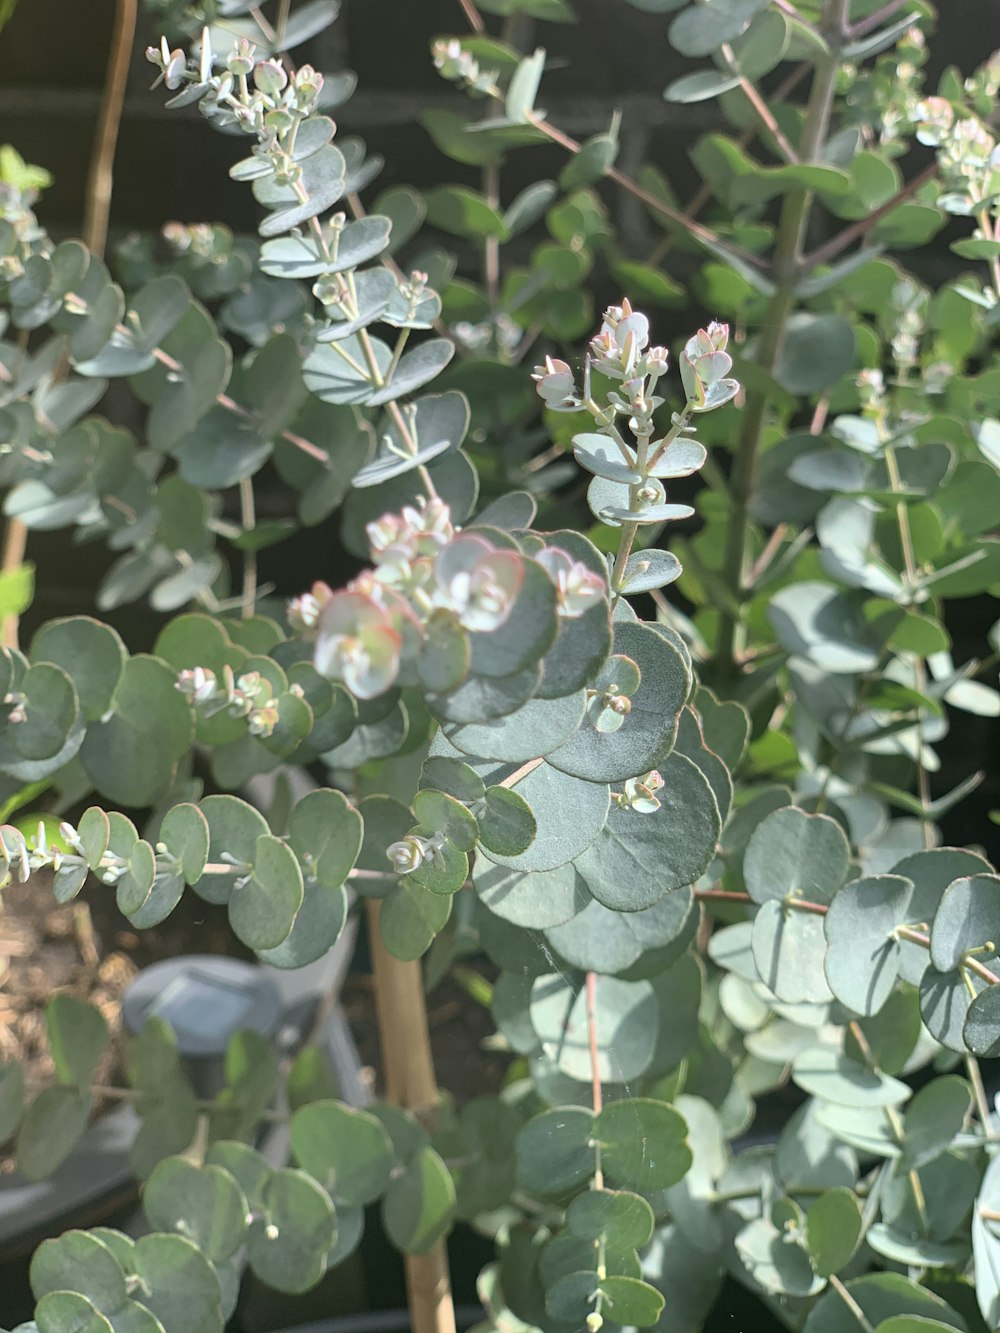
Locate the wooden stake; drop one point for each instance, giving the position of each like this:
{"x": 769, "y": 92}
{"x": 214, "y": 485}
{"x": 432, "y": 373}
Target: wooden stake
{"x": 410, "y": 1084}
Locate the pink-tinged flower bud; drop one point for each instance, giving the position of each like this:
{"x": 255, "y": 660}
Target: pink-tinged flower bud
{"x": 308, "y": 84}
{"x": 408, "y": 854}
{"x": 657, "y": 361}
{"x": 387, "y": 533}
{"x": 477, "y": 582}
{"x": 262, "y": 721}
{"x": 452, "y": 62}
{"x": 640, "y": 793}
{"x": 198, "y": 684}
{"x": 718, "y": 335}
{"x": 556, "y": 385}
{"x": 356, "y": 643}
{"x": 174, "y": 69}
{"x": 270, "y": 77}
{"x": 241, "y": 59}
{"x": 577, "y": 587}
{"x": 304, "y": 611}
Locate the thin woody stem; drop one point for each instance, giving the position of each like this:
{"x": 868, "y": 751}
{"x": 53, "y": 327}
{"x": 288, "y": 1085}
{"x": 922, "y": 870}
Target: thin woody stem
{"x": 830, "y": 249}
{"x": 696, "y": 230}
{"x": 761, "y": 109}
{"x": 597, "y": 1098}
{"x": 473, "y": 16}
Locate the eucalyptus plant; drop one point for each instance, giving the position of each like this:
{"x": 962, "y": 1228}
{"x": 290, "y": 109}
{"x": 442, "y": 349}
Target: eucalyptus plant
{"x": 689, "y": 838}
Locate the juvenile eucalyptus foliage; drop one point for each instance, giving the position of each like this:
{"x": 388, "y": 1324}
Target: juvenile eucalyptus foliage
{"x": 692, "y": 832}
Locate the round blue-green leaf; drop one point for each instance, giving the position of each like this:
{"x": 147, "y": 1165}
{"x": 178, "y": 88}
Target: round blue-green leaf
{"x": 533, "y": 900}
{"x": 833, "y": 1230}
{"x": 934, "y": 1116}
{"x": 863, "y": 953}
{"x": 825, "y": 625}
{"x": 91, "y": 654}
{"x": 930, "y": 872}
{"x": 11, "y": 1098}
{"x": 879, "y": 1296}
{"x": 795, "y": 854}
{"x": 638, "y": 857}
{"x": 67, "y": 1312}
{"x": 50, "y": 1130}
{"x": 132, "y": 757}
{"x": 700, "y": 30}
{"x": 444, "y": 873}
{"x": 234, "y": 827}
{"x": 78, "y": 1262}
{"x": 454, "y": 777}
{"x": 778, "y": 1264}
{"x": 177, "y": 1284}
{"x": 830, "y": 1076}
{"x": 526, "y": 635}
{"x": 507, "y": 825}
{"x": 968, "y": 917}
{"x": 246, "y": 1165}
{"x": 348, "y": 1152}
{"x": 262, "y": 911}
{"x": 552, "y": 795}
{"x": 51, "y": 711}
{"x": 134, "y": 887}
{"x": 78, "y": 1037}
{"x": 912, "y": 1323}
{"x": 626, "y": 1021}
{"x": 982, "y": 1024}
{"x": 444, "y": 814}
{"x": 554, "y": 1150}
{"x": 816, "y": 351}
{"x": 438, "y": 425}
{"x": 649, "y": 569}
{"x": 322, "y": 179}
{"x": 643, "y": 1144}
{"x": 94, "y": 829}
{"x": 944, "y": 1004}
{"x": 573, "y": 1297}
{"x": 410, "y": 917}
{"x": 419, "y": 1204}
{"x": 621, "y": 1219}
{"x": 647, "y": 735}
{"x": 415, "y": 369}
{"x": 535, "y": 729}
{"x": 185, "y": 834}
{"x": 288, "y": 1243}
{"x": 443, "y": 662}
{"x": 597, "y": 939}
{"x": 631, "y": 1302}
{"x": 204, "y": 1203}
{"x": 318, "y": 926}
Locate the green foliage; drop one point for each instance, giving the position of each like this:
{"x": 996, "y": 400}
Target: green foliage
{"x": 694, "y": 833}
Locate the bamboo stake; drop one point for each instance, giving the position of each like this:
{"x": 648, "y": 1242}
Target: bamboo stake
{"x": 97, "y": 207}
{"x": 410, "y": 1084}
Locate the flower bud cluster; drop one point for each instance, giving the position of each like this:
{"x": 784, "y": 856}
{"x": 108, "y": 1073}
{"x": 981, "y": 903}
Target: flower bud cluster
{"x": 259, "y": 95}
{"x": 20, "y": 857}
{"x": 968, "y": 156}
{"x": 423, "y": 565}
{"x": 18, "y": 707}
{"x": 246, "y": 696}
{"x": 457, "y": 65}
{"x": 413, "y": 851}
{"x": 620, "y": 350}
{"x": 705, "y": 365}
{"x": 640, "y": 794}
